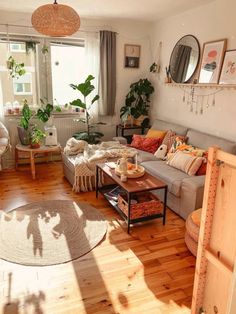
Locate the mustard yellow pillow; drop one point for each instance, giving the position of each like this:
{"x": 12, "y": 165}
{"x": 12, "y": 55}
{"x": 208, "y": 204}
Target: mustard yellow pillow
{"x": 156, "y": 133}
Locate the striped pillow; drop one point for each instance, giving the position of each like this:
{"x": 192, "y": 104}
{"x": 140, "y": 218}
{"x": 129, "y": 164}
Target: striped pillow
{"x": 186, "y": 163}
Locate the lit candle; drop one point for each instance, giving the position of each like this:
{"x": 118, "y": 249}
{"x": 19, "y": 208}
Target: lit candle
{"x": 136, "y": 161}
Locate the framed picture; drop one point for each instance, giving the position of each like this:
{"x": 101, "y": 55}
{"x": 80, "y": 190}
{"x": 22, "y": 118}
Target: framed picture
{"x": 211, "y": 61}
{"x": 228, "y": 72}
{"x": 132, "y": 56}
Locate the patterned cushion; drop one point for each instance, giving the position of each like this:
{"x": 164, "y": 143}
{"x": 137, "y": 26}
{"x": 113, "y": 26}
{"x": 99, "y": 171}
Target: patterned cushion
{"x": 185, "y": 162}
{"x": 144, "y": 143}
{"x": 156, "y": 133}
{"x": 170, "y": 137}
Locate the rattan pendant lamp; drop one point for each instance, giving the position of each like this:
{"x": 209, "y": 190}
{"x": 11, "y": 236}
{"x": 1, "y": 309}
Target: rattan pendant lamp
{"x": 55, "y": 20}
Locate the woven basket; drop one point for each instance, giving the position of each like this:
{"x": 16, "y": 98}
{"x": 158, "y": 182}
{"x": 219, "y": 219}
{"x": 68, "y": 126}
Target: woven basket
{"x": 147, "y": 205}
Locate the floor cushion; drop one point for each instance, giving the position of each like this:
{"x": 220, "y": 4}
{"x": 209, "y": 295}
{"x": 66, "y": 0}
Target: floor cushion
{"x": 192, "y": 230}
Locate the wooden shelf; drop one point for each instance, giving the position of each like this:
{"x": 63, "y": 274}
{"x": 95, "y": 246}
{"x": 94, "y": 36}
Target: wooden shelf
{"x": 202, "y": 85}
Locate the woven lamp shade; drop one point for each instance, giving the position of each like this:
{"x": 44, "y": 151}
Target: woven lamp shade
{"x": 55, "y": 20}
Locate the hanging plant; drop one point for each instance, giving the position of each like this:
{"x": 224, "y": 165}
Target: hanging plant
{"x": 30, "y": 46}
{"x": 45, "y": 49}
{"x": 153, "y": 68}
{"x": 16, "y": 69}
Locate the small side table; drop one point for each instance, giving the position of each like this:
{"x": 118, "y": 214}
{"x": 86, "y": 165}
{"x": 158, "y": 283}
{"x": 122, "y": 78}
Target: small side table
{"x": 33, "y": 152}
{"x": 120, "y": 130}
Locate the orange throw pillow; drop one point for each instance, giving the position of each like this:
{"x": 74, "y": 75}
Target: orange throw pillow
{"x": 145, "y": 143}
{"x": 152, "y": 133}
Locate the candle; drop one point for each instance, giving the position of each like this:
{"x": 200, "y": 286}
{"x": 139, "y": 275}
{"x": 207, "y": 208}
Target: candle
{"x": 136, "y": 162}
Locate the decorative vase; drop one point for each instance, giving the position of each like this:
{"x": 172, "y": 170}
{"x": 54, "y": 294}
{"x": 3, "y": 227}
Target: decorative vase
{"x": 24, "y": 135}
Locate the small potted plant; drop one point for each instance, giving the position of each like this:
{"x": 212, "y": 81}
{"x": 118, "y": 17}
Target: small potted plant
{"x": 36, "y": 137}
{"x": 24, "y": 125}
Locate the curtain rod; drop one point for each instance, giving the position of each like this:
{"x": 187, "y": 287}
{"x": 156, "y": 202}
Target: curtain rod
{"x": 31, "y": 27}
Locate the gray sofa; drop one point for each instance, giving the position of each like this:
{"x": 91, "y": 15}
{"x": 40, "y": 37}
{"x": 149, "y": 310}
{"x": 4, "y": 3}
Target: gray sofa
{"x": 185, "y": 192}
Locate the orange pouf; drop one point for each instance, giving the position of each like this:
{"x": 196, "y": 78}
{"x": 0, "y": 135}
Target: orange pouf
{"x": 192, "y": 230}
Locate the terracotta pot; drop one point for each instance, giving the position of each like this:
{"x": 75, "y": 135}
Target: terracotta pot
{"x": 34, "y": 145}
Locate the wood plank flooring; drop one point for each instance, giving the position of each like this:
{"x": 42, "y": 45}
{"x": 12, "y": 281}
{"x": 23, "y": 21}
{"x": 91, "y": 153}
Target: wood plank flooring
{"x": 150, "y": 271}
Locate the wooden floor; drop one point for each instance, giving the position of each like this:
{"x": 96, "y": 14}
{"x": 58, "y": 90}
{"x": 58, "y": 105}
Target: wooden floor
{"x": 149, "y": 271}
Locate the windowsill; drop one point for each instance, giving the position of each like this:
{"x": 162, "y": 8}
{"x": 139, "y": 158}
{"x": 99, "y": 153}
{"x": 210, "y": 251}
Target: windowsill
{"x": 56, "y": 114}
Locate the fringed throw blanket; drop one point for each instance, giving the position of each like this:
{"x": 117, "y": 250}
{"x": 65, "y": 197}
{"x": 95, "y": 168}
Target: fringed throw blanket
{"x": 85, "y": 164}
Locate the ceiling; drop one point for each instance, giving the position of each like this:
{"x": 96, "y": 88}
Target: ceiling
{"x": 147, "y": 10}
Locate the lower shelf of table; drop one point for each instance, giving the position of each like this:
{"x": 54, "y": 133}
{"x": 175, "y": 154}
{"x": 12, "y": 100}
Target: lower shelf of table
{"x": 105, "y": 189}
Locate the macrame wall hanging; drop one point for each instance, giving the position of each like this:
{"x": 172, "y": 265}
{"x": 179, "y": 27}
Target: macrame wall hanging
{"x": 199, "y": 103}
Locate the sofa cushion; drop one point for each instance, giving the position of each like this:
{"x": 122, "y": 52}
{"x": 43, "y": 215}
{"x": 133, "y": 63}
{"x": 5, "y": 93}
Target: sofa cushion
{"x": 163, "y": 125}
{"x": 185, "y": 162}
{"x": 147, "y": 144}
{"x": 156, "y": 133}
{"x": 204, "y": 141}
{"x": 173, "y": 177}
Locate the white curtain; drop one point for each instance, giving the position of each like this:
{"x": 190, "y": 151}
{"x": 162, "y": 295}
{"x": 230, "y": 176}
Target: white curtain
{"x": 92, "y": 62}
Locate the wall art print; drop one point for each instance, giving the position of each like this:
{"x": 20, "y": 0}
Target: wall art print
{"x": 228, "y": 72}
{"x": 132, "y": 56}
{"x": 211, "y": 61}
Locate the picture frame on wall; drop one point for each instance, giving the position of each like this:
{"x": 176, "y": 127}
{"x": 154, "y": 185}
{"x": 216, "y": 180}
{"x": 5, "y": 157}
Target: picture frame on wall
{"x": 132, "y": 56}
{"x": 211, "y": 61}
{"x": 228, "y": 72}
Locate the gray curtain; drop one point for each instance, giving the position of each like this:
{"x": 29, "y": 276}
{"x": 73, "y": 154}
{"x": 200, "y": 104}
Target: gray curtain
{"x": 182, "y": 62}
{"x": 107, "y": 81}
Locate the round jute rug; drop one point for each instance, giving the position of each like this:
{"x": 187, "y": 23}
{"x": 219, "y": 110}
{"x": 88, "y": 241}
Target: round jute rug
{"x": 50, "y": 232}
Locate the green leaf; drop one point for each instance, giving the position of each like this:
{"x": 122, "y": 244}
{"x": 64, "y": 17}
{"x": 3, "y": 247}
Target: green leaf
{"x": 74, "y": 86}
{"x": 78, "y": 103}
{"x": 95, "y": 99}
{"x": 49, "y": 108}
{"x": 85, "y": 88}
{"x": 89, "y": 78}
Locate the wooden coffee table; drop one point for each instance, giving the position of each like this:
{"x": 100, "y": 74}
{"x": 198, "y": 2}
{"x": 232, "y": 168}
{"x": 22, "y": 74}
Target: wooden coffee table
{"x": 131, "y": 186}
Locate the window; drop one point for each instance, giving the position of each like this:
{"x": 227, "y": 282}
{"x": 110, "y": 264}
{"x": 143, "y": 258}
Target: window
{"x": 17, "y": 47}
{"x": 48, "y": 75}
{"x": 23, "y": 85}
{"x": 68, "y": 67}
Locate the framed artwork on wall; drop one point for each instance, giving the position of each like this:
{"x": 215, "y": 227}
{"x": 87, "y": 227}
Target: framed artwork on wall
{"x": 132, "y": 56}
{"x": 211, "y": 61}
{"x": 228, "y": 72}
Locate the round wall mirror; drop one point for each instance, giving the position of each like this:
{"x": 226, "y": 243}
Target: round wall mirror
{"x": 184, "y": 59}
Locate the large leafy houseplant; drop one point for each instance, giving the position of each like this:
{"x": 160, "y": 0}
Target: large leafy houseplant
{"x": 137, "y": 101}
{"x": 89, "y": 135}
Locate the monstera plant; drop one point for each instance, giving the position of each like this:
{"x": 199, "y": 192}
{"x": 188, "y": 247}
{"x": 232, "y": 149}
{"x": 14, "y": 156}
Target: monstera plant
{"x": 137, "y": 101}
{"x": 89, "y": 135}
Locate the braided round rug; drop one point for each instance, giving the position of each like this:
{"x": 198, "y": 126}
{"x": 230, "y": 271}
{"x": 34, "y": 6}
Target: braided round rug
{"x": 50, "y": 232}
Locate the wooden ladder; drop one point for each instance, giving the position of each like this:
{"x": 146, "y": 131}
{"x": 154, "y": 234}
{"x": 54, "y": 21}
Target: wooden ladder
{"x": 215, "y": 276}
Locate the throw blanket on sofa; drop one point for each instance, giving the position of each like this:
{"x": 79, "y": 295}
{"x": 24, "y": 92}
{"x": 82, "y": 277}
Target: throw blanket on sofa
{"x": 85, "y": 164}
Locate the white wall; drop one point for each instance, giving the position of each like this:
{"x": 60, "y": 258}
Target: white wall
{"x": 209, "y": 22}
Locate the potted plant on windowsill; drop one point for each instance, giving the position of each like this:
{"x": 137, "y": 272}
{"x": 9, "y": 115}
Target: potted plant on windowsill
{"x": 36, "y": 137}
{"x": 137, "y": 103}
{"x": 24, "y": 125}
{"x": 89, "y": 135}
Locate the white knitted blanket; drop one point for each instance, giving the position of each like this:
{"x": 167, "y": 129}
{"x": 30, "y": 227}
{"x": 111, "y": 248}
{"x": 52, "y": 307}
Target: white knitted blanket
{"x": 85, "y": 164}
